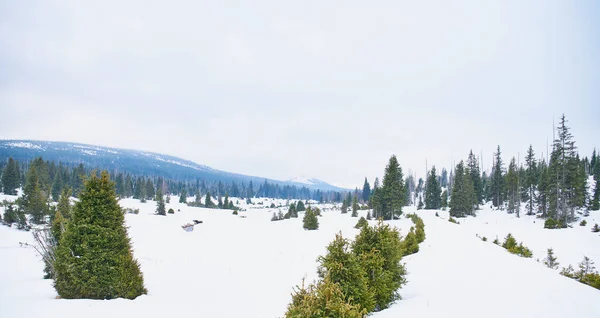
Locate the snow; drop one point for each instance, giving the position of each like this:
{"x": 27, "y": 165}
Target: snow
{"x": 22, "y": 144}
{"x": 246, "y": 267}
{"x": 303, "y": 180}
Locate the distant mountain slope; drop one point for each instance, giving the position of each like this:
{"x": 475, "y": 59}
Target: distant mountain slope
{"x": 132, "y": 161}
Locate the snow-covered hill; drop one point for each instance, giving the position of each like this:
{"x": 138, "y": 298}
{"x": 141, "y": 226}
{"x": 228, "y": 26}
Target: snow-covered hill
{"x": 234, "y": 266}
{"x": 134, "y": 161}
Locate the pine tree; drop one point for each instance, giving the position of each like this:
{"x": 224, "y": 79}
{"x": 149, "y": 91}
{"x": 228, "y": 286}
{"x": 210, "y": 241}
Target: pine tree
{"x": 160, "y": 203}
{"x": 64, "y": 203}
{"x": 34, "y": 201}
{"x": 512, "y": 187}
{"x": 355, "y": 207}
{"x": 119, "y": 185}
{"x": 208, "y": 201}
{"x": 563, "y": 171}
{"x": 475, "y": 175}
{"x": 463, "y": 193}
{"x": 310, "y": 221}
{"x": 300, "y": 206}
{"x": 226, "y": 201}
{"x": 379, "y": 249}
{"x": 392, "y": 199}
{"x": 543, "y": 188}
{"x": 530, "y": 181}
{"x": 366, "y": 192}
{"x": 183, "y": 196}
{"x": 11, "y": 177}
{"x": 344, "y": 268}
{"x": 497, "y": 181}
{"x": 57, "y": 187}
{"x": 595, "y": 202}
{"x": 128, "y": 190}
{"x": 94, "y": 258}
{"x": 550, "y": 260}
{"x": 433, "y": 199}
{"x": 150, "y": 192}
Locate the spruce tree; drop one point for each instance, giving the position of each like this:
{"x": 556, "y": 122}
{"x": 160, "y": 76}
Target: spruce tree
{"x": 57, "y": 187}
{"x": 530, "y": 181}
{"x": 64, "y": 203}
{"x": 393, "y": 197}
{"x": 366, "y": 192}
{"x": 379, "y": 249}
{"x": 355, "y": 207}
{"x": 444, "y": 199}
{"x": 463, "y": 198}
{"x": 310, "y": 221}
{"x": 11, "y": 177}
{"x": 183, "y": 196}
{"x": 160, "y": 203}
{"x": 512, "y": 187}
{"x": 34, "y": 201}
{"x": 550, "y": 260}
{"x": 300, "y": 206}
{"x": 475, "y": 175}
{"x": 208, "y": 201}
{"x": 543, "y": 188}
{"x": 150, "y": 192}
{"x": 595, "y": 202}
{"x": 343, "y": 267}
{"x": 497, "y": 181}
{"x": 94, "y": 258}
{"x": 128, "y": 187}
{"x": 226, "y": 201}
{"x": 433, "y": 199}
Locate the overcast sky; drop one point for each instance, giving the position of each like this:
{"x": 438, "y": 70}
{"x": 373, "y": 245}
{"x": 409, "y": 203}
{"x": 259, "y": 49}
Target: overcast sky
{"x": 326, "y": 89}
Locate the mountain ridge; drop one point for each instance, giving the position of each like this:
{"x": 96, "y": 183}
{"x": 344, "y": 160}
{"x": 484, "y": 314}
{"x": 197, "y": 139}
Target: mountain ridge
{"x": 135, "y": 162}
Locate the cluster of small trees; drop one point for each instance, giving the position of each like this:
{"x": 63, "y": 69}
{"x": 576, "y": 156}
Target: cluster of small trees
{"x": 359, "y": 277}
{"x": 510, "y": 244}
{"x": 586, "y": 274}
{"x": 356, "y": 278}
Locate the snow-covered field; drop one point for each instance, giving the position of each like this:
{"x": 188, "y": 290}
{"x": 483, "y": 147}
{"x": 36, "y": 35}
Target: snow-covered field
{"x": 234, "y": 266}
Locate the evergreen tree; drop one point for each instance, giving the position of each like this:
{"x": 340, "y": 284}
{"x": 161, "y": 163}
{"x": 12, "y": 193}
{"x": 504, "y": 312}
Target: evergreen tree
{"x": 497, "y": 181}
{"x": 379, "y": 249}
{"x": 226, "y": 201}
{"x": 208, "y": 201}
{"x": 366, "y": 192}
{"x": 119, "y": 185}
{"x": 550, "y": 260}
{"x": 355, "y": 207}
{"x": 183, "y": 196}
{"x": 34, "y": 201}
{"x": 512, "y": 187}
{"x": 160, "y": 203}
{"x": 444, "y": 178}
{"x": 392, "y": 199}
{"x": 595, "y": 202}
{"x": 150, "y": 192}
{"x": 563, "y": 175}
{"x": 64, "y": 203}
{"x": 543, "y": 188}
{"x": 11, "y": 177}
{"x": 325, "y": 299}
{"x": 463, "y": 193}
{"x": 344, "y": 207}
{"x": 198, "y": 199}
{"x": 433, "y": 199}
{"x": 57, "y": 187}
{"x": 128, "y": 187}
{"x": 475, "y": 174}
{"x": 310, "y": 221}
{"x": 94, "y": 258}
{"x": 300, "y": 206}
{"x": 343, "y": 267}
{"x": 531, "y": 180}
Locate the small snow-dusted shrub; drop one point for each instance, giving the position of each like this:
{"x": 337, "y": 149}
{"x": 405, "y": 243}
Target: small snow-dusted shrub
{"x": 595, "y": 228}
{"x": 484, "y": 239}
{"x": 437, "y": 214}
{"x": 361, "y": 222}
{"x": 496, "y": 241}
{"x": 551, "y": 260}
{"x": 369, "y": 217}
{"x": 235, "y": 212}
{"x": 272, "y": 205}
{"x": 583, "y": 223}
{"x": 171, "y": 211}
{"x": 452, "y": 220}
{"x": 550, "y": 223}
{"x": 322, "y": 299}
{"x": 509, "y": 242}
{"x": 568, "y": 272}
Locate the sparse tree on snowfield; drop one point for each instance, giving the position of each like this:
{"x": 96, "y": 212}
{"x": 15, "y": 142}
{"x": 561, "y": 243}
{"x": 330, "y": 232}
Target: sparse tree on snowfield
{"x": 393, "y": 194}
{"x": 463, "y": 194}
{"x": 551, "y": 260}
{"x": 94, "y": 258}
{"x": 530, "y": 182}
{"x": 310, "y": 221}
{"x": 183, "y": 196}
{"x": 160, "y": 203}
{"x": 355, "y": 207}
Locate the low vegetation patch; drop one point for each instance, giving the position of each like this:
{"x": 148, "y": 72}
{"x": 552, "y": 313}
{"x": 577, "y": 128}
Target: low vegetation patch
{"x": 583, "y": 223}
{"x": 361, "y": 222}
{"x": 595, "y": 228}
{"x": 586, "y": 274}
{"x": 453, "y": 220}
{"x": 550, "y": 223}
{"x": 510, "y": 244}
{"x": 360, "y": 277}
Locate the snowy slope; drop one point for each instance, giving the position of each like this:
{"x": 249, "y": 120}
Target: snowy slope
{"x": 246, "y": 267}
